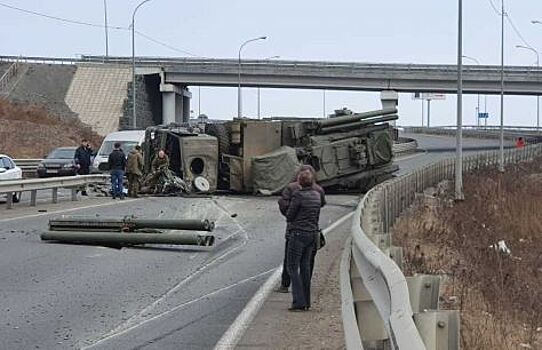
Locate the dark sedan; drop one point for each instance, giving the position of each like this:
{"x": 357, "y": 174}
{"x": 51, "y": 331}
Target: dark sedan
{"x": 59, "y": 162}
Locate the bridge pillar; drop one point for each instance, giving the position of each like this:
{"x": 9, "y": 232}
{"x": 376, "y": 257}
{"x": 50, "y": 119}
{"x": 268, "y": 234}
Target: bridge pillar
{"x": 175, "y": 103}
{"x": 389, "y": 99}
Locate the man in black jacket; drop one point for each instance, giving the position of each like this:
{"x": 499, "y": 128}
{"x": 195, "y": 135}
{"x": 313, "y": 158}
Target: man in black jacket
{"x": 82, "y": 160}
{"x": 284, "y": 203}
{"x": 117, "y": 165}
{"x": 302, "y": 216}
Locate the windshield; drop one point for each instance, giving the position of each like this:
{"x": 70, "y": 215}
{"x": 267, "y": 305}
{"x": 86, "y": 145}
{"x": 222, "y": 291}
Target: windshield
{"x": 60, "y": 153}
{"x": 107, "y": 147}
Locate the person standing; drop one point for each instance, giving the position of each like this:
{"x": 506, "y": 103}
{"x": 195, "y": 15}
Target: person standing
{"x": 302, "y": 216}
{"x": 82, "y": 156}
{"x": 117, "y": 165}
{"x": 284, "y": 203}
{"x": 520, "y": 143}
{"x": 134, "y": 171}
{"x": 159, "y": 166}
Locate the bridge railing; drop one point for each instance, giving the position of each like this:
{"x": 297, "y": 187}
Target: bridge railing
{"x": 142, "y": 60}
{"x": 388, "y": 308}
{"x": 10, "y": 187}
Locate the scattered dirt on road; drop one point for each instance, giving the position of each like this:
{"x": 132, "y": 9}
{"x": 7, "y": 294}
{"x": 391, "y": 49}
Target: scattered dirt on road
{"x": 29, "y": 131}
{"x": 488, "y": 247}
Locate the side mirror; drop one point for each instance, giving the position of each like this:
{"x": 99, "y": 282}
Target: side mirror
{"x": 3, "y": 170}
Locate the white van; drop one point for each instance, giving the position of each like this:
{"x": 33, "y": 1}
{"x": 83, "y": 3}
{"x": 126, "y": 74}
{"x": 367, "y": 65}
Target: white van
{"x": 128, "y": 140}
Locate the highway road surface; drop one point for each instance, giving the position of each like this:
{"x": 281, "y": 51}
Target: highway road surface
{"x": 60, "y": 296}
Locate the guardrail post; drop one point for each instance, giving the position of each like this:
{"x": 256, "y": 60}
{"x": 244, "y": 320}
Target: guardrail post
{"x": 33, "y": 195}
{"x": 9, "y": 200}
{"x": 55, "y": 195}
{"x": 370, "y": 324}
{"x": 439, "y": 329}
{"x": 396, "y": 254}
{"x": 74, "y": 193}
{"x": 424, "y": 292}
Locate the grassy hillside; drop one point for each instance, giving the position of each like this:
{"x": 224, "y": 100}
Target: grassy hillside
{"x": 29, "y": 131}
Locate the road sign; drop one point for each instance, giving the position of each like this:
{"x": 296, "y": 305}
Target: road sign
{"x": 428, "y": 96}
{"x": 483, "y": 115}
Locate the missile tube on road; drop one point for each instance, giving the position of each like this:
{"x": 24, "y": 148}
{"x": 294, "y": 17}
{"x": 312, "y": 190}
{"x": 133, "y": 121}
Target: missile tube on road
{"x": 87, "y": 223}
{"x": 128, "y": 238}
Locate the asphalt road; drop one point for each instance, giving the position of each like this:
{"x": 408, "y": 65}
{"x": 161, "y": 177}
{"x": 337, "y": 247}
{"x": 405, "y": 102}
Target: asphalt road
{"x": 161, "y": 297}
{"x": 59, "y": 296}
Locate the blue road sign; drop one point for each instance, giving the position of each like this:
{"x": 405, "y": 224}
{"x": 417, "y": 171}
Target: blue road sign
{"x": 483, "y": 115}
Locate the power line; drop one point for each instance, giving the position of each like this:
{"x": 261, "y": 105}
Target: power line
{"x": 95, "y": 25}
{"x": 494, "y": 7}
{"x": 59, "y": 19}
{"x": 516, "y": 30}
{"x": 509, "y": 19}
{"x": 145, "y": 36}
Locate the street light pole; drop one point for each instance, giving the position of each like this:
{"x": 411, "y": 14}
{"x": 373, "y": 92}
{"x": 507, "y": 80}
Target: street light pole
{"x": 478, "y": 103}
{"x": 239, "y": 98}
{"x": 459, "y": 132}
{"x": 134, "y": 114}
{"x": 106, "y": 30}
{"x": 501, "y": 139}
{"x": 259, "y": 97}
{"x": 537, "y": 96}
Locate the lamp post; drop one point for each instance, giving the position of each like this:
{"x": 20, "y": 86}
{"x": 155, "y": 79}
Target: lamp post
{"x": 537, "y": 97}
{"x": 134, "y": 122}
{"x": 478, "y": 98}
{"x": 459, "y": 132}
{"x": 501, "y": 139}
{"x": 259, "y": 97}
{"x": 106, "y": 30}
{"x": 239, "y": 98}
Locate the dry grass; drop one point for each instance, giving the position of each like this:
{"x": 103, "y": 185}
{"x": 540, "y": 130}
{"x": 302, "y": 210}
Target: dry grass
{"x": 29, "y": 131}
{"x": 499, "y": 295}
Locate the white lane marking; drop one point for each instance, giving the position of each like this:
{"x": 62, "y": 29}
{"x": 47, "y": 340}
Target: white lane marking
{"x": 140, "y": 318}
{"x": 178, "y": 307}
{"x": 69, "y": 210}
{"x": 235, "y": 332}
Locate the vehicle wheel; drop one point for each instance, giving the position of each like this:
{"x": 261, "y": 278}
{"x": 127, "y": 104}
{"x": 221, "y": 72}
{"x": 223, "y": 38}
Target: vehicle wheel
{"x": 16, "y": 197}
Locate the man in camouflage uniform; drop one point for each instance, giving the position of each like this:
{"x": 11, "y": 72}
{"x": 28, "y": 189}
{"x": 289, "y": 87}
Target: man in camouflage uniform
{"x": 160, "y": 163}
{"x": 134, "y": 171}
{"x": 159, "y": 167}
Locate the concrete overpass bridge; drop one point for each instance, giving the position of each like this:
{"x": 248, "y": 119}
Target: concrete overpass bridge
{"x": 176, "y": 74}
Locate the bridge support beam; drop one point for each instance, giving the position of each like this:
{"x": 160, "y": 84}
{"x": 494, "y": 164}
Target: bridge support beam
{"x": 175, "y": 103}
{"x": 389, "y": 99}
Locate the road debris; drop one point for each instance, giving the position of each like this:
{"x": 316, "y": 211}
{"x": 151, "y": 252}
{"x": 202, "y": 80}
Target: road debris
{"x": 128, "y": 230}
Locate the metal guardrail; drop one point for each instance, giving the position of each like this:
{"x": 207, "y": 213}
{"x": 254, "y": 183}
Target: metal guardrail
{"x": 28, "y": 166}
{"x": 530, "y": 134}
{"x": 391, "y": 309}
{"x": 9, "y": 187}
{"x": 5, "y": 79}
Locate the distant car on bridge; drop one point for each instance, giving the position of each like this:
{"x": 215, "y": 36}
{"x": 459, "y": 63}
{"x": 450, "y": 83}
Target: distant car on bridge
{"x": 59, "y": 162}
{"x": 10, "y": 171}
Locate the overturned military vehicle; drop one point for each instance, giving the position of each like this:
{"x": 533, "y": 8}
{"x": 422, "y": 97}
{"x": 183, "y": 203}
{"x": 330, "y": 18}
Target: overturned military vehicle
{"x": 349, "y": 151}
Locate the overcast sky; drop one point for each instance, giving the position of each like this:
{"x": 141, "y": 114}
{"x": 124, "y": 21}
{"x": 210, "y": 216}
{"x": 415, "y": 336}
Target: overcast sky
{"x": 419, "y": 31}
